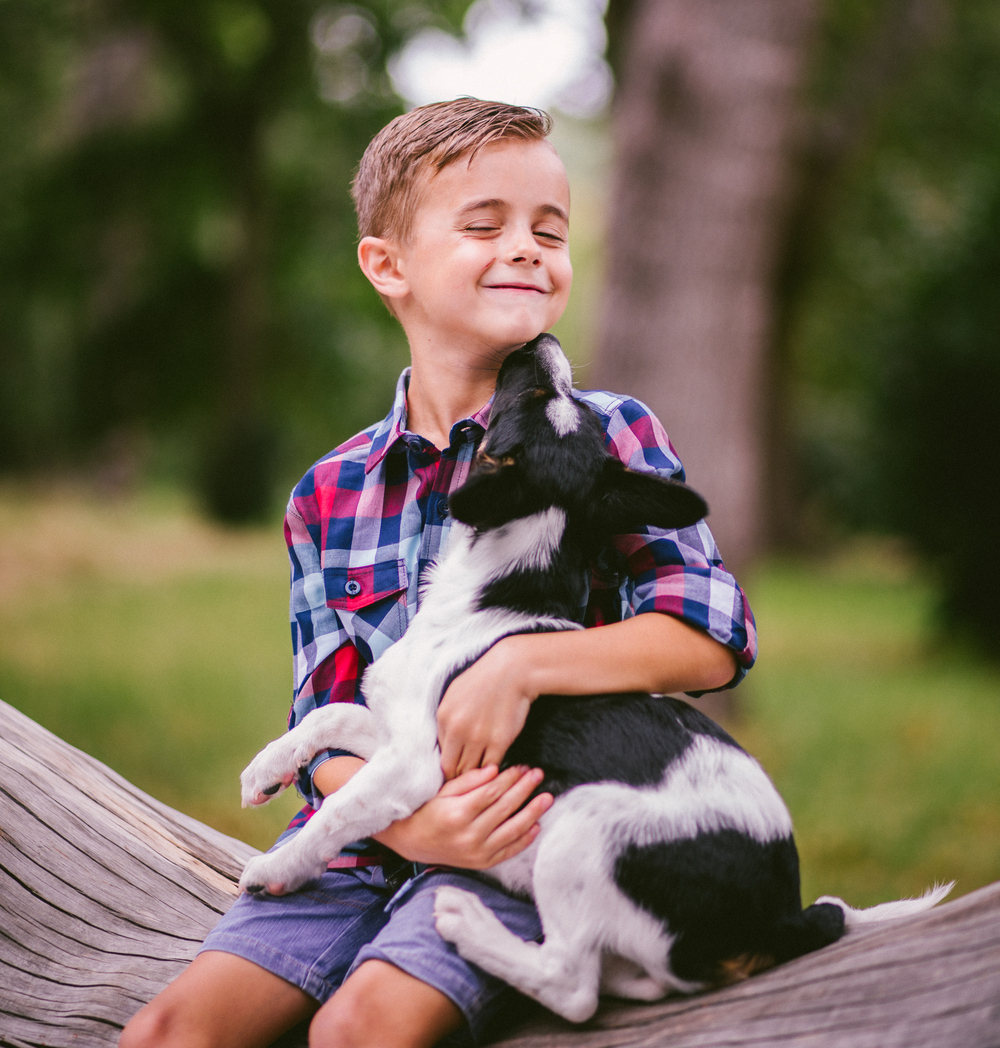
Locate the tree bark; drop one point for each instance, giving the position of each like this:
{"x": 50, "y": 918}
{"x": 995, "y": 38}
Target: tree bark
{"x": 106, "y": 894}
{"x": 834, "y": 137}
{"x": 705, "y": 125}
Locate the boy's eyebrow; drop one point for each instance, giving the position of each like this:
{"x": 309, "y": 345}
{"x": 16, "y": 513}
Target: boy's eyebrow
{"x": 552, "y": 209}
{"x": 483, "y": 205}
{"x": 502, "y": 205}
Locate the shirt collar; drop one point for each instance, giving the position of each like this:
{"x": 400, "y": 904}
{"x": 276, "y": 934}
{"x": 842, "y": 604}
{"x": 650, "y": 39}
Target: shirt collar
{"x": 393, "y": 427}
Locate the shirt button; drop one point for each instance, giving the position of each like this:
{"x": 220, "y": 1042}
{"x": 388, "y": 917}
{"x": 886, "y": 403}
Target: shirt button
{"x": 352, "y": 587}
{"x": 442, "y": 509}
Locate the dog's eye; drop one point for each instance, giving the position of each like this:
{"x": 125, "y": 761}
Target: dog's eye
{"x": 490, "y": 464}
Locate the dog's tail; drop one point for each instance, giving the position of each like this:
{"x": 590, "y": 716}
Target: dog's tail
{"x": 830, "y": 918}
{"x": 810, "y": 929}
{"x": 886, "y": 911}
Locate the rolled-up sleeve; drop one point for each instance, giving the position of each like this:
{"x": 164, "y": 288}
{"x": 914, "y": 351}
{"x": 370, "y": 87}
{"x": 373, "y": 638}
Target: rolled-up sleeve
{"x": 676, "y": 572}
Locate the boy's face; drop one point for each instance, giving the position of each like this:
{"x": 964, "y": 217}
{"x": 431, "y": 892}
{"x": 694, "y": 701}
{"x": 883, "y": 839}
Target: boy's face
{"x": 487, "y": 263}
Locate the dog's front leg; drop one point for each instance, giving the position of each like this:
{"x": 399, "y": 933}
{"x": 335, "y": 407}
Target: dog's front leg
{"x": 345, "y": 725}
{"x": 391, "y": 786}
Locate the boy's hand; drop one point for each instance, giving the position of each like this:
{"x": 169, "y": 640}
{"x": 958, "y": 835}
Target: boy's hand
{"x": 471, "y": 823}
{"x": 485, "y": 708}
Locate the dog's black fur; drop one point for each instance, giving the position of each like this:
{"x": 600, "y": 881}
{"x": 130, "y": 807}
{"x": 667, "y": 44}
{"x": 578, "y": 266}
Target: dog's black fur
{"x": 724, "y": 895}
{"x": 666, "y": 861}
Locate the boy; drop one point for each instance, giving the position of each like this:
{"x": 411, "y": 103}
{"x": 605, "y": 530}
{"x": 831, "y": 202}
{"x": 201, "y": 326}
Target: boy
{"x": 463, "y": 212}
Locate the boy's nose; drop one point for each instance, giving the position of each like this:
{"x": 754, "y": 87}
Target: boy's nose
{"x": 522, "y": 252}
{"x": 522, "y": 248}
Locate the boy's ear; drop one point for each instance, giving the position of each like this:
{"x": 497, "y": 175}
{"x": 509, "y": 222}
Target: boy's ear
{"x": 379, "y": 261}
{"x": 627, "y": 500}
{"x": 491, "y": 496}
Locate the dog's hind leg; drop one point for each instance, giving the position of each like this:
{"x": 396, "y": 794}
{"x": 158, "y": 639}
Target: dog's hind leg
{"x": 571, "y": 885}
{"x": 559, "y": 974}
{"x": 583, "y": 912}
{"x": 345, "y": 725}
{"x": 621, "y": 977}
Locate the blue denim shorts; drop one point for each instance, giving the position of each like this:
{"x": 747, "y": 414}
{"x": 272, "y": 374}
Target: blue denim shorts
{"x": 316, "y": 937}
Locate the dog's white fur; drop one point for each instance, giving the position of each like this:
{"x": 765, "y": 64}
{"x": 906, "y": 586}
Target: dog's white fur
{"x": 397, "y": 733}
{"x": 569, "y": 868}
{"x": 595, "y": 935}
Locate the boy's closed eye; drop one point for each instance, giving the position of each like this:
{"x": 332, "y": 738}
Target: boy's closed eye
{"x": 482, "y": 226}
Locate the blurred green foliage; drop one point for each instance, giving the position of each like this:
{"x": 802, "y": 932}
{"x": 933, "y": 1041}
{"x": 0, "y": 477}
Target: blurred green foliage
{"x": 893, "y": 340}
{"x": 179, "y": 296}
{"x": 178, "y": 287}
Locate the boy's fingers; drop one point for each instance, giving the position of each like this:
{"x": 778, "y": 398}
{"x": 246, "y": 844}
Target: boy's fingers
{"x": 450, "y": 754}
{"x": 511, "y": 829}
{"x": 513, "y": 847}
{"x": 494, "y": 753}
{"x": 472, "y": 756}
{"x": 513, "y": 797}
{"x": 493, "y": 790}
{"x": 468, "y": 781}
{"x": 457, "y": 759}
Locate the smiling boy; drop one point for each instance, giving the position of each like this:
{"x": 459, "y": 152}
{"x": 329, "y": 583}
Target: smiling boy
{"x": 463, "y": 210}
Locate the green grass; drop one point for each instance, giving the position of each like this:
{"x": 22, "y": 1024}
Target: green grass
{"x": 151, "y": 641}
{"x": 160, "y": 645}
{"x": 884, "y": 748}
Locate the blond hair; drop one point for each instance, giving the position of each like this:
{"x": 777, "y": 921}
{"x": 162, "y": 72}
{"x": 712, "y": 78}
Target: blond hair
{"x": 387, "y": 185}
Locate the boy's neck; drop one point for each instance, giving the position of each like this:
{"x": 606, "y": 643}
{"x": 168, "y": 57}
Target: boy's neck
{"x": 446, "y": 387}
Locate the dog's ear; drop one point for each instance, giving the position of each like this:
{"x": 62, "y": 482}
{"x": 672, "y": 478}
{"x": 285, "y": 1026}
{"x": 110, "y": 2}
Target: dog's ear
{"x": 626, "y": 500}
{"x": 493, "y": 495}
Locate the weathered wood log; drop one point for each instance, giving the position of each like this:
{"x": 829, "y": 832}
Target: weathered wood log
{"x": 105, "y": 895}
{"x": 932, "y": 982}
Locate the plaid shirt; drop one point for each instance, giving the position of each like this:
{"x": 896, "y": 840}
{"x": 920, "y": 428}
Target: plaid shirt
{"x": 367, "y": 519}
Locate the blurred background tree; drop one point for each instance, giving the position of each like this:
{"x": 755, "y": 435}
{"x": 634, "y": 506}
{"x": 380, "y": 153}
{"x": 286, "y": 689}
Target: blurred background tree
{"x": 802, "y": 249}
{"x": 180, "y": 291}
{"x": 707, "y": 115}
{"x": 889, "y": 346}
{"x": 179, "y": 298}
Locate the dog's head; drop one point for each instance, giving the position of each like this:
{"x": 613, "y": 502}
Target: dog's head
{"x": 545, "y": 448}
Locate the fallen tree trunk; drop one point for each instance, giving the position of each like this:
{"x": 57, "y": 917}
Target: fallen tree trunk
{"x": 105, "y": 895}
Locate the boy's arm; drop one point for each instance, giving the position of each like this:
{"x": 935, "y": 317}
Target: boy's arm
{"x": 691, "y": 628}
{"x": 475, "y": 821}
{"x": 486, "y": 706}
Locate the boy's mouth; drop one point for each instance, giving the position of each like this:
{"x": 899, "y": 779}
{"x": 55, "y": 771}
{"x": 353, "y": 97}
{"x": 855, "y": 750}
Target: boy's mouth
{"x": 516, "y": 287}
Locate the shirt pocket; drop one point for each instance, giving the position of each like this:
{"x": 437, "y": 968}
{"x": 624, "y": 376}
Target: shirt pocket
{"x": 371, "y": 603}
{"x": 355, "y": 589}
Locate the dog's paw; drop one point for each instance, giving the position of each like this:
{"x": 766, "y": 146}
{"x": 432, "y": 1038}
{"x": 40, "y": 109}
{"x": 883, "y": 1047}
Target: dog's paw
{"x": 304, "y": 753}
{"x": 271, "y": 771}
{"x": 462, "y": 918}
{"x": 278, "y": 874}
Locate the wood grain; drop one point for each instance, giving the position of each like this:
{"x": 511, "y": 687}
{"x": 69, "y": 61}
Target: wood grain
{"x": 105, "y": 895}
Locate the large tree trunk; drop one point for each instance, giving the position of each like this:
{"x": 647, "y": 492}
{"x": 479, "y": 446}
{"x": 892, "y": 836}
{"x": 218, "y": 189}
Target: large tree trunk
{"x": 705, "y": 118}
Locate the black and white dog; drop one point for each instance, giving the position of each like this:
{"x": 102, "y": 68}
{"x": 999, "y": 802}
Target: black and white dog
{"x": 666, "y": 863}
